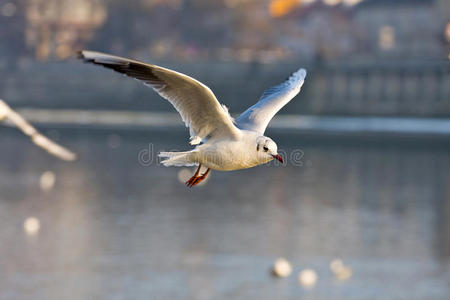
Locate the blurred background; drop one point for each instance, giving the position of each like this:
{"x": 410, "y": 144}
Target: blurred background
{"x": 360, "y": 211}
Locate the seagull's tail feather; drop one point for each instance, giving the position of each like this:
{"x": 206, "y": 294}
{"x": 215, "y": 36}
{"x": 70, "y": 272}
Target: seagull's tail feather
{"x": 177, "y": 159}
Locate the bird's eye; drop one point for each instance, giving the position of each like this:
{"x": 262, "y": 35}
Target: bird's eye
{"x": 265, "y": 149}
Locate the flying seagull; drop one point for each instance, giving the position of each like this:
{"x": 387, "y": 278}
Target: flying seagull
{"x": 222, "y": 143}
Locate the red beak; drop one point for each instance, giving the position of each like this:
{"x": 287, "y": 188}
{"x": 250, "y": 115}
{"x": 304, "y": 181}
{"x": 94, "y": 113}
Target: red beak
{"x": 278, "y": 157}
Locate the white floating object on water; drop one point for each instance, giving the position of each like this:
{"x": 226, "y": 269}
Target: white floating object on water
{"x": 345, "y": 273}
{"x": 47, "y": 181}
{"x": 184, "y": 174}
{"x": 340, "y": 270}
{"x": 336, "y": 265}
{"x": 307, "y": 278}
{"x": 282, "y": 268}
{"x": 31, "y": 225}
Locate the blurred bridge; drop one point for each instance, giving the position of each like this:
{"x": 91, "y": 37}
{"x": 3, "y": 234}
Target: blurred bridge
{"x": 376, "y": 88}
{"x": 386, "y": 88}
{"x": 373, "y": 96}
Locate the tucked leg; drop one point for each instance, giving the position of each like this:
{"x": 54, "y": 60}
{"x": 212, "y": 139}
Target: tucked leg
{"x": 189, "y": 183}
{"x": 194, "y": 180}
{"x": 201, "y": 178}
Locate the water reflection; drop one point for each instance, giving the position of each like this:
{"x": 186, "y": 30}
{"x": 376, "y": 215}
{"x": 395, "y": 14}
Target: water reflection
{"x": 111, "y": 227}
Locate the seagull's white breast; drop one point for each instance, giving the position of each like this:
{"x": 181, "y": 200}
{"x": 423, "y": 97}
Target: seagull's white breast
{"x": 229, "y": 155}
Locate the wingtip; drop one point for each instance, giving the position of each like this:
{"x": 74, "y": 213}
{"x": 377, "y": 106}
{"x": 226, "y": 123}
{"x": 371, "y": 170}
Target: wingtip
{"x": 298, "y": 75}
{"x": 81, "y": 54}
{"x": 88, "y": 55}
{"x": 302, "y": 72}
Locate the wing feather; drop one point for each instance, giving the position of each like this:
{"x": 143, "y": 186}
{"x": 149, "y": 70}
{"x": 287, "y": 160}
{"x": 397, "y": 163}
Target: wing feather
{"x": 196, "y": 103}
{"x": 258, "y": 116}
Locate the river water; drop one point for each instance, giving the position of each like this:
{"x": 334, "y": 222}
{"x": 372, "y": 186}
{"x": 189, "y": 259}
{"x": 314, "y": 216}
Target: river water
{"x": 115, "y": 226}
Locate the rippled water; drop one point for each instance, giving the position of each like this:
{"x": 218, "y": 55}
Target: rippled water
{"x": 112, "y": 228}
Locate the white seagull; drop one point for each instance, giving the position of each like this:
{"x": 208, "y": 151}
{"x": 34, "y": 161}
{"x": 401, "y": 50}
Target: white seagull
{"x": 222, "y": 143}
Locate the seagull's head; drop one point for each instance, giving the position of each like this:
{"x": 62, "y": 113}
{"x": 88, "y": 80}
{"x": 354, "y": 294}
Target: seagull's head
{"x": 266, "y": 148}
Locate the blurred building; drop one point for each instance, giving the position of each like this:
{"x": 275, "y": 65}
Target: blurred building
{"x": 236, "y": 30}
{"x": 402, "y": 28}
{"x": 335, "y": 29}
{"x": 55, "y": 27}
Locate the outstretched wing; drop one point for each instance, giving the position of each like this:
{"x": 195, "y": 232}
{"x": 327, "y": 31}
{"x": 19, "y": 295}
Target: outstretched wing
{"x": 257, "y": 117}
{"x": 195, "y": 102}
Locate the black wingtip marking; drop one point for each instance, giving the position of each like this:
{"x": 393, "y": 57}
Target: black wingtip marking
{"x": 127, "y": 68}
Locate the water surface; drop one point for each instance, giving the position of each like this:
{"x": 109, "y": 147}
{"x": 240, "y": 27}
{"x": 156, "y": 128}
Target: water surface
{"x": 112, "y": 228}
